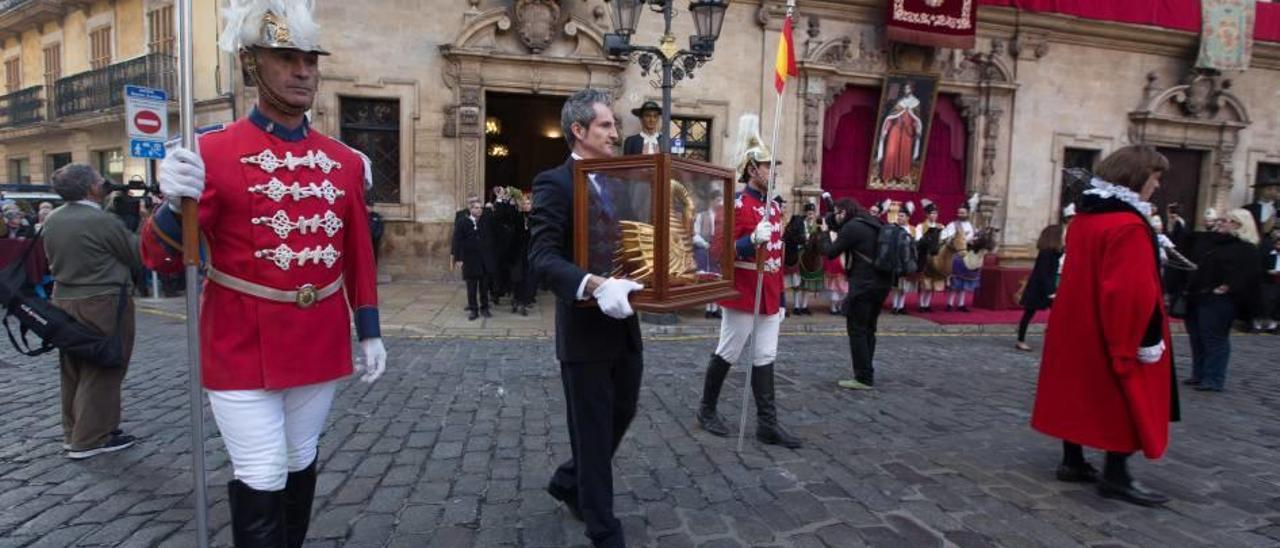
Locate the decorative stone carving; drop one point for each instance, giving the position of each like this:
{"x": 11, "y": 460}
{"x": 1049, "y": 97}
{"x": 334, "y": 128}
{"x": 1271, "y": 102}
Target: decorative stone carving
{"x": 813, "y": 30}
{"x": 1203, "y": 96}
{"x": 990, "y": 137}
{"x": 469, "y": 122}
{"x": 537, "y": 22}
{"x": 1034, "y": 44}
{"x": 450, "y": 128}
{"x": 970, "y": 109}
{"x": 813, "y": 108}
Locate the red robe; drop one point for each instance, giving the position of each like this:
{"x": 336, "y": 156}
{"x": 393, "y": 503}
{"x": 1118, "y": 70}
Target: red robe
{"x": 1092, "y": 389}
{"x": 251, "y": 343}
{"x": 748, "y": 209}
{"x": 899, "y": 133}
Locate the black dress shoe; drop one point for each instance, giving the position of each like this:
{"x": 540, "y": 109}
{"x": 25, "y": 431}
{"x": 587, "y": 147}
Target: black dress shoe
{"x": 964, "y": 309}
{"x": 566, "y": 497}
{"x": 1191, "y": 382}
{"x": 472, "y": 315}
{"x": 524, "y": 310}
{"x": 1202, "y": 387}
{"x": 485, "y": 312}
{"x": 1084, "y": 473}
{"x": 1131, "y": 493}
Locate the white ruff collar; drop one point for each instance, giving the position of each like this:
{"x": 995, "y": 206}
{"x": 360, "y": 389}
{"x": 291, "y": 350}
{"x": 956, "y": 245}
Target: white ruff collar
{"x": 1103, "y": 189}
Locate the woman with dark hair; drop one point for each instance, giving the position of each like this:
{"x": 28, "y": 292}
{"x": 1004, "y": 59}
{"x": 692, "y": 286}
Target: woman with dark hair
{"x": 1106, "y": 378}
{"x": 1224, "y": 284}
{"x": 1043, "y": 282}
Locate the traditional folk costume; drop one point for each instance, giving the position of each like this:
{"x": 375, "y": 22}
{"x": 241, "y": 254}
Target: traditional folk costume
{"x": 758, "y": 254}
{"x": 900, "y": 215}
{"x": 283, "y": 217}
{"x": 966, "y": 266}
{"x": 928, "y": 237}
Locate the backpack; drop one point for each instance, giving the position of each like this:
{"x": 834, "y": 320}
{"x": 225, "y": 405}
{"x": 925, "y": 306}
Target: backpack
{"x": 895, "y": 251}
{"x": 930, "y": 244}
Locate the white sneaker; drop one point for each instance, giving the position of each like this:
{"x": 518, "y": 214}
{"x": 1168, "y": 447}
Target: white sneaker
{"x": 114, "y": 443}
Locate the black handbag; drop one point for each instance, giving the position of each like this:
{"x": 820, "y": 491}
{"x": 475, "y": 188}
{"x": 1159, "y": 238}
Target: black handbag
{"x": 56, "y": 328}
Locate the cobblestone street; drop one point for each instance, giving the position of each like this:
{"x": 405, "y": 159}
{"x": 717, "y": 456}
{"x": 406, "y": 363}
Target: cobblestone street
{"x": 453, "y": 446}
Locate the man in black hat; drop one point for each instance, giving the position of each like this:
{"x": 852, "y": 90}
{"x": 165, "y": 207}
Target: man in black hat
{"x": 648, "y": 141}
{"x": 1264, "y": 207}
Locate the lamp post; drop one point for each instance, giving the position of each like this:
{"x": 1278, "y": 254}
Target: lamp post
{"x": 675, "y": 63}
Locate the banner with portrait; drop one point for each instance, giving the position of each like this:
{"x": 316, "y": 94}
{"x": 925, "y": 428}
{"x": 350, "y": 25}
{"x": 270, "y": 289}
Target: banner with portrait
{"x": 902, "y": 131}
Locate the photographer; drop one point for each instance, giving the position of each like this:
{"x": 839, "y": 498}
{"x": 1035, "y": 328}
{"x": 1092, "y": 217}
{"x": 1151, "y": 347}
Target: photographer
{"x": 856, "y": 237}
{"x": 91, "y": 255}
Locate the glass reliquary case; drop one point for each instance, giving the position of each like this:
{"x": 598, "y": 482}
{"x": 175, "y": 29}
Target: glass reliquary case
{"x": 660, "y": 220}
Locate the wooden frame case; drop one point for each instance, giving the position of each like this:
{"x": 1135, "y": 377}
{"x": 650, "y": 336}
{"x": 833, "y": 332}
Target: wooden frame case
{"x": 663, "y": 292}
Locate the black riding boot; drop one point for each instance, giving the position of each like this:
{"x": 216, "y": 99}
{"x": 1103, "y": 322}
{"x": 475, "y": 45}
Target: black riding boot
{"x": 710, "y": 420}
{"x": 768, "y": 430}
{"x": 299, "y": 491}
{"x": 257, "y": 517}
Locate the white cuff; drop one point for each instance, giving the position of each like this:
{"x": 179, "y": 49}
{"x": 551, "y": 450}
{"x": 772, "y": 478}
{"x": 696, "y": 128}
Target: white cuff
{"x": 582, "y": 288}
{"x": 1151, "y": 354}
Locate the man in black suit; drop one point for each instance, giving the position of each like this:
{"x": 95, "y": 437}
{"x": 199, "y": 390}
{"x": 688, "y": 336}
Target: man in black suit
{"x": 1264, "y": 208}
{"x": 470, "y": 240}
{"x": 599, "y": 345}
{"x": 649, "y": 140}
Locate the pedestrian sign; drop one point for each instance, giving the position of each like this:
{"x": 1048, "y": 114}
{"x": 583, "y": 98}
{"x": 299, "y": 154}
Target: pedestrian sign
{"x": 146, "y": 121}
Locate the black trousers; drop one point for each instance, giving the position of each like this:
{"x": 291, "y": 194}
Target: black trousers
{"x": 1027, "y": 315}
{"x": 861, "y": 316}
{"x": 600, "y": 398}
{"x": 478, "y": 287}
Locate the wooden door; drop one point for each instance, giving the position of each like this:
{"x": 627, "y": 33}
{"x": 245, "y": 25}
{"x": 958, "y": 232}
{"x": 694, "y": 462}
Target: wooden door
{"x": 1181, "y": 184}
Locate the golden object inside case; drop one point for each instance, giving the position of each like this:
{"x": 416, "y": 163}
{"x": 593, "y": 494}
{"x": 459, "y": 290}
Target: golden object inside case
{"x": 634, "y": 257}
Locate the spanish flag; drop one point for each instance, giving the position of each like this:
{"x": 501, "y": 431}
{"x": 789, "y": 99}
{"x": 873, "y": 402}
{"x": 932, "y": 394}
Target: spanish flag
{"x": 785, "y": 65}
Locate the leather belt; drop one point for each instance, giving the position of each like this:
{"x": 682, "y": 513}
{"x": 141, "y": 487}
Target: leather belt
{"x": 304, "y": 297}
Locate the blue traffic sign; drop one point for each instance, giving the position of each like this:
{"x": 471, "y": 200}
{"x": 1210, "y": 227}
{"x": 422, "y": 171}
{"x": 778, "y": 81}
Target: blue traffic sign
{"x": 146, "y": 149}
{"x": 145, "y": 94}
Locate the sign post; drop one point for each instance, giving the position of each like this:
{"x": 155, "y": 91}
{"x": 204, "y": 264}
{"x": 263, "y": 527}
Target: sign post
{"x": 146, "y": 116}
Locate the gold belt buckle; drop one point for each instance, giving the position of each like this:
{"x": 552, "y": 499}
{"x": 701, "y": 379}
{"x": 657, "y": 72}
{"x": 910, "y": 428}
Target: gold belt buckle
{"x": 306, "y": 296}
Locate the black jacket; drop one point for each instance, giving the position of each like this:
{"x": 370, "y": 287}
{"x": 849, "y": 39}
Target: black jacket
{"x": 1043, "y": 281}
{"x": 583, "y": 333}
{"x": 1224, "y": 259}
{"x": 858, "y": 237}
{"x": 471, "y": 242}
{"x": 635, "y": 144}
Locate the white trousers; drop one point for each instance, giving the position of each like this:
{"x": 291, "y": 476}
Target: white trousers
{"x": 269, "y": 433}
{"x": 735, "y": 327}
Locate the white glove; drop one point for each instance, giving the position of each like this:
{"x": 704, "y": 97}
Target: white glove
{"x": 762, "y": 233}
{"x": 373, "y": 359}
{"x": 700, "y": 242}
{"x": 611, "y": 297}
{"x": 181, "y": 176}
{"x": 1151, "y": 354}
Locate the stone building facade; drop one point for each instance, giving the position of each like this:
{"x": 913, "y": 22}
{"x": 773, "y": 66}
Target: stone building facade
{"x": 414, "y": 84}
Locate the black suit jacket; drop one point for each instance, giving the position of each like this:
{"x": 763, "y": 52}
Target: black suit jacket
{"x": 583, "y": 334}
{"x": 471, "y": 245}
{"x": 635, "y": 144}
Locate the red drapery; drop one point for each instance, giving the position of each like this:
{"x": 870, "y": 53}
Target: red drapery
{"x": 1170, "y": 14}
{"x": 846, "y": 155}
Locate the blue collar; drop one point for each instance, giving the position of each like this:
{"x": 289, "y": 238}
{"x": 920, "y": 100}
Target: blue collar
{"x": 753, "y": 192}
{"x": 279, "y": 131}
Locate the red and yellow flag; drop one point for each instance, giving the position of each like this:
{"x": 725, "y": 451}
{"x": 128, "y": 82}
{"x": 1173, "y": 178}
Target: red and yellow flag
{"x": 785, "y": 65}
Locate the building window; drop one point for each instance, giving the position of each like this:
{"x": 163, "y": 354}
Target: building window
{"x": 160, "y": 30}
{"x": 52, "y": 65}
{"x": 1085, "y": 158}
{"x": 19, "y": 170}
{"x": 372, "y": 126}
{"x": 695, "y": 134}
{"x": 110, "y": 163}
{"x": 100, "y": 47}
{"x": 1268, "y": 173}
{"x": 54, "y": 161}
{"x": 12, "y": 74}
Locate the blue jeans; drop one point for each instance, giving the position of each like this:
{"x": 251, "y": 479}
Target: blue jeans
{"x": 1209, "y": 321}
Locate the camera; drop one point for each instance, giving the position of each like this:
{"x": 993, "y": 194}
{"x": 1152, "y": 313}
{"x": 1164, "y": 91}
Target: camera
{"x": 134, "y": 183}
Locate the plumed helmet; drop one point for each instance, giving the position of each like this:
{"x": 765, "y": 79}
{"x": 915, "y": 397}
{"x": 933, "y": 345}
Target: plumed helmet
{"x": 750, "y": 147}
{"x": 271, "y": 24}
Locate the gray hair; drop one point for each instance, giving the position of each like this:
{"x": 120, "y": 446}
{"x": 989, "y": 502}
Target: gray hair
{"x": 580, "y": 108}
{"x": 74, "y": 181}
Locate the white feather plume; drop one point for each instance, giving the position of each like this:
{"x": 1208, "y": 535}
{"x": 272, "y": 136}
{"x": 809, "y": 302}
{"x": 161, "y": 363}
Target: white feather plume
{"x": 973, "y": 202}
{"x": 910, "y": 207}
{"x": 748, "y": 136}
{"x": 244, "y": 23}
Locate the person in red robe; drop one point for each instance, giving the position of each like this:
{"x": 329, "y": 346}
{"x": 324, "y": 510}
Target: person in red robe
{"x": 900, "y": 138}
{"x": 1106, "y": 378}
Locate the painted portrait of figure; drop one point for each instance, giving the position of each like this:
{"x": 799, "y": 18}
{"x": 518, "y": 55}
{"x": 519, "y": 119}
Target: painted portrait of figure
{"x": 906, "y": 108}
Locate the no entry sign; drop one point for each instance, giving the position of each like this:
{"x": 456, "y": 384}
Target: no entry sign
{"x": 146, "y": 120}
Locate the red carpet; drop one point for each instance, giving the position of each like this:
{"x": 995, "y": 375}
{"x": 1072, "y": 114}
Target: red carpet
{"x": 973, "y": 316}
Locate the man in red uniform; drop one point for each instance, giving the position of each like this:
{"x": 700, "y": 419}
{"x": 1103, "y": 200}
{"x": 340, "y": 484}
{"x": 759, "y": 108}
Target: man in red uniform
{"x": 758, "y": 239}
{"x": 283, "y": 217}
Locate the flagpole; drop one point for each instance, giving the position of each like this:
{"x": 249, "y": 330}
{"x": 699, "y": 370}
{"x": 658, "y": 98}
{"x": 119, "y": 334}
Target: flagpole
{"x": 191, "y": 262}
{"x": 768, "y": 206}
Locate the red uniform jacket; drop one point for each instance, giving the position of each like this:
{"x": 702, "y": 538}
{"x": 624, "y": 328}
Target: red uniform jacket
{"x": 748, "y": 209}
{"x": 1092, "y": 389}
{"x": 260, "y": 227}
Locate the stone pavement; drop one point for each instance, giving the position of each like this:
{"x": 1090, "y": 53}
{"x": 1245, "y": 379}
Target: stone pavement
{"x": 435, "y": 309}
{"x": 453, "y": 447}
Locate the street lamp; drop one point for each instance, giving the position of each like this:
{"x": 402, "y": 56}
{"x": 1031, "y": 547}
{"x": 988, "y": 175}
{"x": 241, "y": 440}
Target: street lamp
{"x": 676, "y": 64}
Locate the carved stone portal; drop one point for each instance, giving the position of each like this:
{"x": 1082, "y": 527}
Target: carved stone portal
{"x": 537, "y": 22}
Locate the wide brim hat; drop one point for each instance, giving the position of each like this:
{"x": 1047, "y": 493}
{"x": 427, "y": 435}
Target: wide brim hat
{"x": 648, "y": 106}
{"x": 271, "y": 24}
